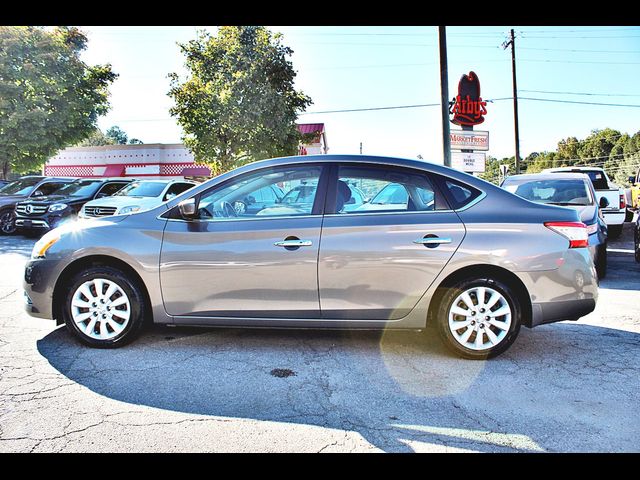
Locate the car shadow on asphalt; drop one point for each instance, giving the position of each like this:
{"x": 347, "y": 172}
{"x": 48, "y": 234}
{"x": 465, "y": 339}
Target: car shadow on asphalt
{"x": 401, "y": 391}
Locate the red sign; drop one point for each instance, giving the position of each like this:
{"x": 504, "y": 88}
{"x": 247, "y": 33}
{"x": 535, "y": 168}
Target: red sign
{"x": 467, "y": 107}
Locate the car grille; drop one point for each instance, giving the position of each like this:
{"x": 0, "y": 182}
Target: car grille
{"x": 99, "y": 211}
{"x": 31, "y": 209}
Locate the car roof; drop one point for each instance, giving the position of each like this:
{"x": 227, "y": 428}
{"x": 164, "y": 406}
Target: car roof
{"x": 569, "y": 169}
{"x": 549, "y": 176}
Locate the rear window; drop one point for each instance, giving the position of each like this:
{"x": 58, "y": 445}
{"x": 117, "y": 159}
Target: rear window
{"x": 459, "y": 194}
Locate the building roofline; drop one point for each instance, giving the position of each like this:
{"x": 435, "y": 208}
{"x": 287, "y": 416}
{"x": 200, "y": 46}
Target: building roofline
{"x": 143, "y": 146}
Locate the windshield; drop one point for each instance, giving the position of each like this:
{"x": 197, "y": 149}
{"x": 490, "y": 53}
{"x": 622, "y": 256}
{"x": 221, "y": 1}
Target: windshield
{"x": 300, "y": 194}
{"x": 80, "y": 188}
{"x": 23, "y": 186}
{"x": 143, "y": 189}
{"x": 391, "y": 194}
{"x": 553, "y": 192}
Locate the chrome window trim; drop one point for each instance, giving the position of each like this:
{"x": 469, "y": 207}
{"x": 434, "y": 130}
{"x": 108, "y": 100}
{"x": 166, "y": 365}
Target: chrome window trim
{"x": 219, "y": 219}
{"x": 382, "y": 212}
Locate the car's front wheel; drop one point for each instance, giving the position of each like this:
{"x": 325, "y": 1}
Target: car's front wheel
{"x": 479, "y": 318}
{"x": 103, "y": 307}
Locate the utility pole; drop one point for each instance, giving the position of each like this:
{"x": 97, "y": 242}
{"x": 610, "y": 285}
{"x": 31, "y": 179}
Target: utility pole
{"x": 360, "y": 148}
{"x": 444, "y": 99}
{"x": 512, "y": 42}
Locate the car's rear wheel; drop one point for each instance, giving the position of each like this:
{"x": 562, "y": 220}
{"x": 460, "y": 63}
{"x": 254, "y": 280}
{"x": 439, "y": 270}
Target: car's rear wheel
{"x": 601, "y": 261}
{"x": 7, "y": 222}
{"x": 479, "y": 318}
{"x": 614, "y": 231}
{"x": 103, "y": 307}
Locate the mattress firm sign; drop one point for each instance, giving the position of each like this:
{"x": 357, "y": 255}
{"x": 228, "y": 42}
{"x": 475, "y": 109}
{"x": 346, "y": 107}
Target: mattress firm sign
{"x": 468, "y": 162}
{"x": 469, "y": 140}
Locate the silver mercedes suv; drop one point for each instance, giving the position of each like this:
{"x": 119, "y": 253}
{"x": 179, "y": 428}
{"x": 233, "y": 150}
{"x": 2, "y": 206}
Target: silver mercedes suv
{"x": 427, "y": 244}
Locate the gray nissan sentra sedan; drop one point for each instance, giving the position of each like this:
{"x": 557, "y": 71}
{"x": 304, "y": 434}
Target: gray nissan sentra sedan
{"x": 452, "y": 250}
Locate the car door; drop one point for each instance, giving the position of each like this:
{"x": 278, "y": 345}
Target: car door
{"x": 226, "y": 263}
{"x": 377, "y": 260}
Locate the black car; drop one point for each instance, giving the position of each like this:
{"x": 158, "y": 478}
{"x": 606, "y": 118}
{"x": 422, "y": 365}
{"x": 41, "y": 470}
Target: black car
{"x": 3, "y": 183}
{"x": 32, "y": 186}
{"x": 38, "y": 215}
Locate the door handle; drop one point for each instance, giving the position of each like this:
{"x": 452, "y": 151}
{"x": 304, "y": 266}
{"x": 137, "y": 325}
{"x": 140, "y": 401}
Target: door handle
{"x": 432, "y": 240}
{"x": 294, "y": 243}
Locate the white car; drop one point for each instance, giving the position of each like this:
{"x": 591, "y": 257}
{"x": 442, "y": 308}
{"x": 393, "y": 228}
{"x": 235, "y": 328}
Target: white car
{"x": 136, "y": 197}
{"x": 615, "y": 212}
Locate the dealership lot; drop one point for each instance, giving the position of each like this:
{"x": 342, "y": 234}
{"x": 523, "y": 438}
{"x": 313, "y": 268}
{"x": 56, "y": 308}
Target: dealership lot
{"x": 570, "y": 386}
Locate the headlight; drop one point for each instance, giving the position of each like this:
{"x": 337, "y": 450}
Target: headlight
{"x": 56, "y": 207}
{"x": 42, "y": 245}
{"x": 130, "y": 209}
{"x": 593, "y": 228}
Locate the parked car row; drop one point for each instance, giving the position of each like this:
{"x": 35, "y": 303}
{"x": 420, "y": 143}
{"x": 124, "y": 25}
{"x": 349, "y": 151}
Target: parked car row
{"x": 34, "y": 205}
{"x": 324, "y": 242}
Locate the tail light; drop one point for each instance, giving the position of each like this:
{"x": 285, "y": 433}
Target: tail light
{"x": 623, "y": 203}
{"x": 575, "y": 232}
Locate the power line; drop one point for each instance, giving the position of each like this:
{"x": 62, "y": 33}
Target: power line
{"x": 525, "y": 36}
{"x": 578, "y": 61}
{"x": 583, "y": 93}
{"x": 618, "y": 29}
{"x": 579, "y": 103}
{"x": 578, "y": 50}
{"x": 374, "y": 108}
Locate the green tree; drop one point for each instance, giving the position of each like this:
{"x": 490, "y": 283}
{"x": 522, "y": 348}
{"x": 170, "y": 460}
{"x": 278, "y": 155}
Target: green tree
{"x": 95, "y": 139}
{"x": 114, "y": 136}
{"x": 492, "y": 169}
{"x": 117, "y": 135}
{"x": 239, "y": 102}
{"x": 49, "y": 98}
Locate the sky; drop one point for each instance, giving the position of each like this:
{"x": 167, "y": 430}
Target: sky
{"x": 344, "y": 67}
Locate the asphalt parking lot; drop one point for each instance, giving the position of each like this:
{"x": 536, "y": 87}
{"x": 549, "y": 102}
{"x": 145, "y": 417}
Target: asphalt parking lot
{"x": 565, "y": 387}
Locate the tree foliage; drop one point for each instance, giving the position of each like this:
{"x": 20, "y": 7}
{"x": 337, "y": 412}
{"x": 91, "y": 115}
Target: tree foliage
{"x": 114, "y": 136}
{"x": 118, "y": 135}
{"x": 239, "y": 103}
{"x": 49, "y": 98}
{"x": 617, "y": 153}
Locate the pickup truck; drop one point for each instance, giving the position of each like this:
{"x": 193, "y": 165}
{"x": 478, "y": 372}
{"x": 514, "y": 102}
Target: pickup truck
{"x": 615, "y": 213}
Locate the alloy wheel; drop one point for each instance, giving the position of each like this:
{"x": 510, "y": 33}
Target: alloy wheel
{"x": 480, "y": 318}
{"x": 100, "y": 308}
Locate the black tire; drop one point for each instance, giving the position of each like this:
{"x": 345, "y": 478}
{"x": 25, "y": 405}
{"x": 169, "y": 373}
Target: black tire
{"x": 614, "y": 231}
{"x": 7, "y": 222}
{"x": 628, "y": 217}
{"x": 451, "y": 293}
{"x": 130, "y": 288}
{"x": 601, "y": 261}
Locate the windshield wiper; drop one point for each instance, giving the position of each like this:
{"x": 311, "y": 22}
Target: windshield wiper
{"x": 568, "y": 203}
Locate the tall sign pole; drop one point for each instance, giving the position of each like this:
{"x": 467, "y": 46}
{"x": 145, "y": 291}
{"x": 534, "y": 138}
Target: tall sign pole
{"x": 512, "y": 42}
{"x": 444, "y": 96}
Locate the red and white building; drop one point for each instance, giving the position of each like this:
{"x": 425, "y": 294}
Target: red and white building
{"x": 319, "y": 143}
{"x": 154, "y": 160}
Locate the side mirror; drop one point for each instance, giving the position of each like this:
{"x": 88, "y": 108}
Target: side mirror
{"x": 604, "y": 203}
{"x": 38, "y": 193}
{"x": 632, "y": 179}
{"x": 101, "y": 195}
{"x": 188, "y": 208}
